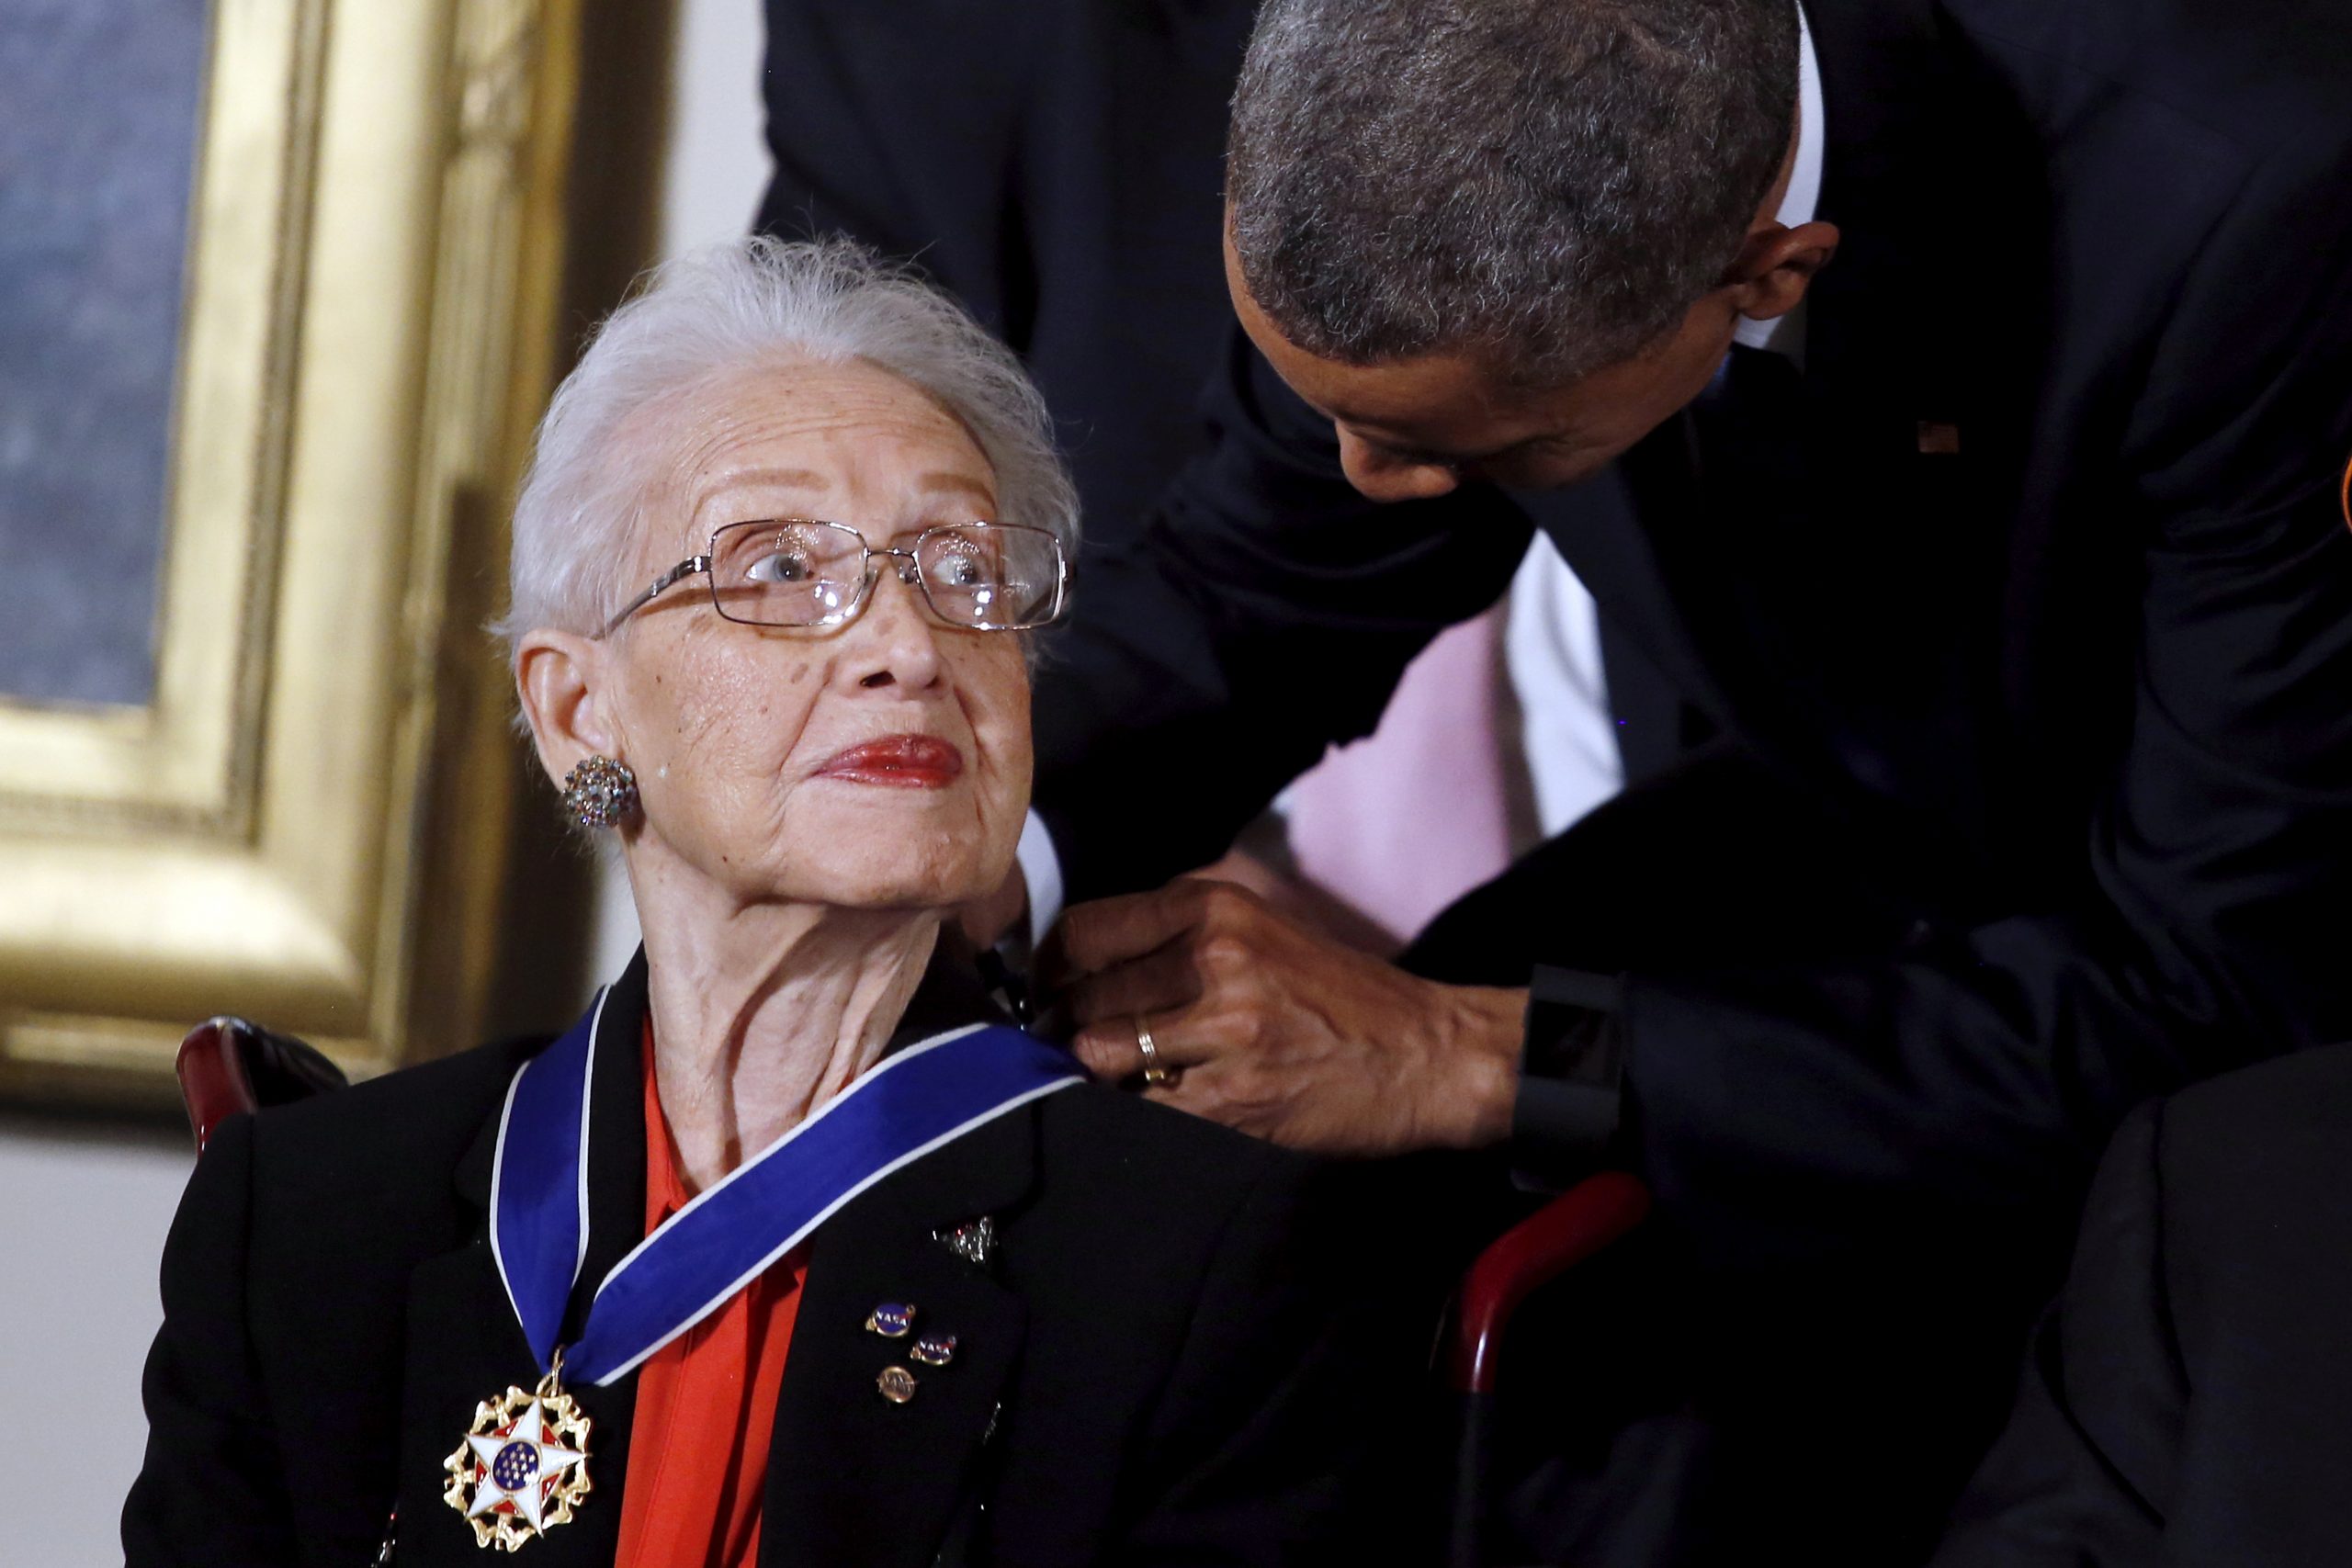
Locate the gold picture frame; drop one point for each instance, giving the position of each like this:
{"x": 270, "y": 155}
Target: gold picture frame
{"x": 308, "y": 822}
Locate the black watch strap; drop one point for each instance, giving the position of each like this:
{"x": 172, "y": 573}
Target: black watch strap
{"x": 1571, "y": 1083}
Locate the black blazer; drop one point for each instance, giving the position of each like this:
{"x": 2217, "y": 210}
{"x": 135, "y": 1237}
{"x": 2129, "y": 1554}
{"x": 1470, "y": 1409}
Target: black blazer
{"x": 2188, "y": 1399}
{"x": 1163, "y": 1363}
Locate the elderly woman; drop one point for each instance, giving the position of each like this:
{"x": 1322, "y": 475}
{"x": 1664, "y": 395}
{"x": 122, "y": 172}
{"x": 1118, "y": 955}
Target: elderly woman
{"x": 794, "y": 1250}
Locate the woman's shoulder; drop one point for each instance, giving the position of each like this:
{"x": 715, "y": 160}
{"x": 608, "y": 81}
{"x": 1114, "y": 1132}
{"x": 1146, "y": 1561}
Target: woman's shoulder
{"x": 415, "y": 1123}
{"x": 1133, "y": 1187}
{"x": 1124, "y": 1139}
{"x": 1209, "y": 1323}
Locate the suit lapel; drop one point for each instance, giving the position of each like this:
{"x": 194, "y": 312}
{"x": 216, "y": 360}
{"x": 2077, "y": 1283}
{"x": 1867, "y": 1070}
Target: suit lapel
{"x": 616, "y": 1141}
{"x": 1608, "y": 531}
{"x": 1917, "y": 389}
{"x": 854, "y": 1479}
{"x": 464, "y": 1345}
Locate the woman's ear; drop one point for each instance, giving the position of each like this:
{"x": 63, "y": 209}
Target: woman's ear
{"x": 561, "y": 679}
{"x": 1776, "y": 265}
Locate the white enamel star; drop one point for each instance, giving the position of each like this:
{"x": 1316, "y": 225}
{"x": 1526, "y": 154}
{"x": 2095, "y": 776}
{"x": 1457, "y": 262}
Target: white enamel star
{"x": 530, "y": 1473}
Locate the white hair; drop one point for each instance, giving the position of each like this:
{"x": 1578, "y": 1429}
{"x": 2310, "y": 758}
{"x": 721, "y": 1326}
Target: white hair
{"x": 742, "y": 305}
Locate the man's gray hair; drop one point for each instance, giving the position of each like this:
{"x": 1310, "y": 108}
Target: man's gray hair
{"x": 738, "y": 306}
{"x": 1548, "y": 185}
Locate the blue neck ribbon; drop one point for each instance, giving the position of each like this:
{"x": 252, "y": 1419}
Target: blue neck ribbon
{"x": 909, "y": 1104}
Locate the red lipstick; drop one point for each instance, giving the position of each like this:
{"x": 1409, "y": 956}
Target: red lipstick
{"x": 901, "y": 761}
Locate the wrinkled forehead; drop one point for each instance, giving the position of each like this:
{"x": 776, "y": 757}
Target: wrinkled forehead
{"x": 849, "y": 441}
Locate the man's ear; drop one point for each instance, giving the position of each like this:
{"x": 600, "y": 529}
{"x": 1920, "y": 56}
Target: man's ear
{"x": 1776, "y": 264}
{"x": 561, "y": 679}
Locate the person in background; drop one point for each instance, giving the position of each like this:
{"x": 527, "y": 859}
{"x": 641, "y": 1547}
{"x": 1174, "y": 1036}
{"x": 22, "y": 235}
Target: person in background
{"x": 1053, "y": 164}
{"x": 1980, "y": 374}
{"x": 794, "y": 1250}
{"x": 2183, "y": 1402}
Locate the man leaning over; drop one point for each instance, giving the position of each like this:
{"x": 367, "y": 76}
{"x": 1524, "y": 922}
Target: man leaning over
{"x": 1944, "y": 402}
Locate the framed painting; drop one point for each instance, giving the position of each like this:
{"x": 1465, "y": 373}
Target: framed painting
{"x": 280, "y": 287}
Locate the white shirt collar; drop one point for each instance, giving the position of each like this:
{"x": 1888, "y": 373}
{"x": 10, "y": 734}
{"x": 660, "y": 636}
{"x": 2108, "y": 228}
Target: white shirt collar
{"x": 1786, "y": 334}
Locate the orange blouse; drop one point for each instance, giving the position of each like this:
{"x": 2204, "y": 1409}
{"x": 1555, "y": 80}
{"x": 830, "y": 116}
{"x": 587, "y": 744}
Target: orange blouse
{"x": 705, "y": 1401}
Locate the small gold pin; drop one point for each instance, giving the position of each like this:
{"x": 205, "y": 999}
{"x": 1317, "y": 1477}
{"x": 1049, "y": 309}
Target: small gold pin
{"x": 896, "y": 1384}
{"x": 935, "y": 1350}
{"x": 891, "y": 1320}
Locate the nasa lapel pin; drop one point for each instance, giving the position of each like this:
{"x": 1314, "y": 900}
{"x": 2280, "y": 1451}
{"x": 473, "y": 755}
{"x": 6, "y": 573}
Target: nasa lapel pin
{"x": 891, "y": 1320}
{"x": 896, "y": 1384}
{"x": 522, "y": 1467}
{"x": 933, "y": 1349}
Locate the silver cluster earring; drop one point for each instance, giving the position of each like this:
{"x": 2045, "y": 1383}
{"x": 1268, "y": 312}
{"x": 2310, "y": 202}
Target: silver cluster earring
{"x": 599, "y": 792}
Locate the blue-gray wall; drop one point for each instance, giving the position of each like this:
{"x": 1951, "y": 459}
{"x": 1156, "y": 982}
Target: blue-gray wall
{"x": 98, "y": 148}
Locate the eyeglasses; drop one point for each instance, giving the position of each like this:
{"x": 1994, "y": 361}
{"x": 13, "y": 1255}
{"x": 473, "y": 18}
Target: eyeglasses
{"x": 792, "y": 571}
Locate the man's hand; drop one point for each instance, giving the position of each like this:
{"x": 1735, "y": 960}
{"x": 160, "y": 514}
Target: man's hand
{"x": 1280, "y": 1033}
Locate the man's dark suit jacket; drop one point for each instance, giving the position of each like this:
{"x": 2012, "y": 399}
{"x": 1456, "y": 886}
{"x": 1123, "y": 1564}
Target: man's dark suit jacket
{"x": 1983, "y": 688}
{"x": 2189, "y": 1400}
{"x": 1159, "y": 1364}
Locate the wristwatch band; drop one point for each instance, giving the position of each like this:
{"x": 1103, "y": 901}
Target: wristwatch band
{"x": 1571, "y": 1083}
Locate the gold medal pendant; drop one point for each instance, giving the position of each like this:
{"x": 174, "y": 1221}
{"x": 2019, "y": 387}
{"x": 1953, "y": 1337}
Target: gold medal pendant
{"x": 522, "y": 1467}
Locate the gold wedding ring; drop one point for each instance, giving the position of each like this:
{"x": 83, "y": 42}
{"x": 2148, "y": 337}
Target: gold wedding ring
{"x": 1154, "y": 1073}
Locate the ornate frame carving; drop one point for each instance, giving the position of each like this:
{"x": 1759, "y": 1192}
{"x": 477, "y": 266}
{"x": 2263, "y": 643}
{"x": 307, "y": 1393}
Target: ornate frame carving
{"x": 310, "y": 821}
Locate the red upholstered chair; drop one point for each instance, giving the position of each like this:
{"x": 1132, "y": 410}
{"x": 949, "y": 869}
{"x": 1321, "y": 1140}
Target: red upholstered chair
{"x": 1571, "y": 1228}
{"x": 228, "y": 1065}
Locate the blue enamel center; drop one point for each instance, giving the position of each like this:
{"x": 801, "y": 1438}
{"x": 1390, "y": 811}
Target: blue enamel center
{"x": 515, "y": 1465}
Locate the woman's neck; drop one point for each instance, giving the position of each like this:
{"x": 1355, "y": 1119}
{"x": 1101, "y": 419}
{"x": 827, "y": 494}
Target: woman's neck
{"x": 761, "y": 1013}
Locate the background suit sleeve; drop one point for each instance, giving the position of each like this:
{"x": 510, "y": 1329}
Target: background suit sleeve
{"x": 911, "y": 148}
{"x": 2079, "y": 1477}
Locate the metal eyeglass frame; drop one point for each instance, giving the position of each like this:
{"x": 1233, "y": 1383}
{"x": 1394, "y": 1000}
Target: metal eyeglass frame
{"x": 909, "y": 572}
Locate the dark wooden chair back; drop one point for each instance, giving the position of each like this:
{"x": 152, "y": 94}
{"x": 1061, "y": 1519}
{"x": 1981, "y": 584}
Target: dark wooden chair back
{"x": 227, "y": 1064}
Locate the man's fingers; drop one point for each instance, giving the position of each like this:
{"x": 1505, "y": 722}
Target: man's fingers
{"x": 1109, "y": 1051}
{"x": 1113, "y": 1049}
{"x": 1095, "y": 936}
{"x": 1161, "y": 981}
{"x": 1182, "y": 1096}
{"x": 1202, "y": 1092}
